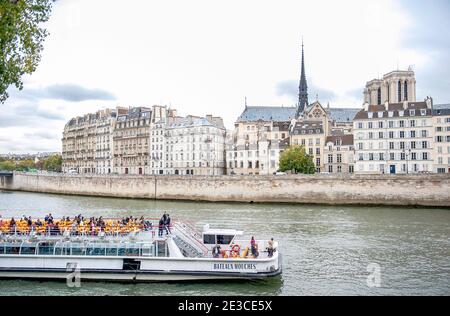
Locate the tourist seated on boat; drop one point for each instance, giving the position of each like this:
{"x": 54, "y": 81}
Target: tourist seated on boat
{"x": 254, "y": 247}
{"x": 216, "y": 251}
{"x": 270, "y": 248}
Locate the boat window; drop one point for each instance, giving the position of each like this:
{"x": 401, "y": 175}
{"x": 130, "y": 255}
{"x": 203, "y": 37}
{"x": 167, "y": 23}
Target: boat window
{"x": 61, "y": 249}
{"x": 122, "y": 250}
{"x": 148, "y": 250}
{"x": 132, "y": 250}
{"x": 28, "y": 248}
{"x": 2, "y": 248}
{"x": 111, "y": 250}
{"x": 96, "y": 249}
{"x": 224, "y": 239}
{"x": 46, "y": 248}
{"x": 78, "y": 249}
{"x": 209, "y": 239}
{"x": 12, "y": 248}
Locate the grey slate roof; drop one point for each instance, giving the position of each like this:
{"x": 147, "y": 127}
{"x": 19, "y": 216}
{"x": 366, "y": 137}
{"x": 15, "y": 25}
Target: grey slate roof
{"x": 441, "y": 109}
{"x": 342, "y": 115}
{"x": 267, "y": 113}
{"x": 284, "y": 114}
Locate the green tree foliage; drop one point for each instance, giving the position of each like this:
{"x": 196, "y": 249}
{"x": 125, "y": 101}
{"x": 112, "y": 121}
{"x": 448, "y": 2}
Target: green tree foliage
{"x": 21, "y": 40}
{"x": 25, "y": 165}
{"x": 7, "y": 165}
{"x": 53, "y": 163}
{"x": 296, "y": 160}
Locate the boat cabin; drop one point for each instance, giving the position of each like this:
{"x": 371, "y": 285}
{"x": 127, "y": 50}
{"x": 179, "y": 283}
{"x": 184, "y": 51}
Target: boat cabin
{"x": 222, "y": 237}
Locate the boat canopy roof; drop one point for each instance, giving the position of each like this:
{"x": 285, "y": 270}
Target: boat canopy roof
{"x": 228, "y": 232}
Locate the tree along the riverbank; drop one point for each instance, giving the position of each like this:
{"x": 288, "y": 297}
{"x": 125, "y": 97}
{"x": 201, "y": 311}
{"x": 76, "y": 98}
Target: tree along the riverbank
{"x": 51, "y": 163}
{"x": 295, "y": 160}
{"x": 21, "y": 40}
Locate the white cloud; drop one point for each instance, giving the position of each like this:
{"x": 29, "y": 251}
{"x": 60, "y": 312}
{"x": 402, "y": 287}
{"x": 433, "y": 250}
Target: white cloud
{"x": 204, "y": 56}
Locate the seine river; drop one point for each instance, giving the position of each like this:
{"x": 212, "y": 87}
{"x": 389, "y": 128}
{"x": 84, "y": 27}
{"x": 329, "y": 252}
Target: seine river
{"x": 326, "y": 250}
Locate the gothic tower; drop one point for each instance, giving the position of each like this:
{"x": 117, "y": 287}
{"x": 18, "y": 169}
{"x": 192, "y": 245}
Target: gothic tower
{"x": 302, "y": 89}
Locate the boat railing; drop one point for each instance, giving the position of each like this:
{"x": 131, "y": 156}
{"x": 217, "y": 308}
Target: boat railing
{"x": 186, "y": 232}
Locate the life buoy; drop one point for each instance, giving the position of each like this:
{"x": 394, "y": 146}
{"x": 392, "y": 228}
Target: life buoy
{"x": 235, "y": 251}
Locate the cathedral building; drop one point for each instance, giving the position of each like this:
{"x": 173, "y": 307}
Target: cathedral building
{"x": 262, "y": 132}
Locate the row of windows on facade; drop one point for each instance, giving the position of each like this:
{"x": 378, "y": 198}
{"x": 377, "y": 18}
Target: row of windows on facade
{"x": 251, "y": 164}
{"x": 338, "y": 158}
{"x": 442, "y": 129}
{"x": 249, "y": 154}
{"x": 393, "y": 134}
{"x": 189, "y": 131}
{"x": 339, "y": 168}
{"x": 310, "y": 142}
{"x": 133, "y": 123}
{"x": 173, "y": 140}
{"x": 188, "y": 164}
{"x": 394, "y": 156}
{"x": 396, "y": 145}
{"x": 403, "y": 167}
{"x": 399, "y": 92}
{"x": 391, "y": 124}
{"x": 439, "y": 120}
{"x": 183, "y": 157}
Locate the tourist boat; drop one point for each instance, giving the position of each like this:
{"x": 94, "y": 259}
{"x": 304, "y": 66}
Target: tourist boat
{"x": 132, "y": 253}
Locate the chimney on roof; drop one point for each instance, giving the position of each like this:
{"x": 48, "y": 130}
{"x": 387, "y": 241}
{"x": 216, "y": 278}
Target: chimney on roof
{"x": 366, "y": 107}
{"x": 429, "y": 102}
{"x": 405, "y": 105}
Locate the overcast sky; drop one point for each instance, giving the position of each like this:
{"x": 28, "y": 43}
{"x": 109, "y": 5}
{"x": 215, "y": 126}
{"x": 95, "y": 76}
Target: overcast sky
{"x": 205, "y": 57}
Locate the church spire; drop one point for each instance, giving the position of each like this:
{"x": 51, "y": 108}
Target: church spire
{"x": 303, "y": 88}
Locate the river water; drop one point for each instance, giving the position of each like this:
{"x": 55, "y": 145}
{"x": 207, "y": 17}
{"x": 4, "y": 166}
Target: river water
{"x": 327, "y": 250}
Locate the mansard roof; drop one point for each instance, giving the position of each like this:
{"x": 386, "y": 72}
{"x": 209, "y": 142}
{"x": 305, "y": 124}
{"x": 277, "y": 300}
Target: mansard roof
{"x": 307, "y": 128}
{"x": 342, "y": 115}
{"x": 267, "y": 114}
{"x": 441, "y": 109}
{"x": 379, "y": 111}
{"x": 346, "y": 140}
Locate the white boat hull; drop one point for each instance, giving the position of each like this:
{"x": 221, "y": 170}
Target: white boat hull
{"x": 151, "y": 269}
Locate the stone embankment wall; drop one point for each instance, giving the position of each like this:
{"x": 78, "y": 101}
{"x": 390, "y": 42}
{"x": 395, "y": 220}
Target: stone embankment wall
{"x": 419, "y": 190}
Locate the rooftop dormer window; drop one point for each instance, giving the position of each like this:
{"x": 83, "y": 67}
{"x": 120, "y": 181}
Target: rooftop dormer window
{"x": 401, "y": 113}
{"x": 412, "y": 112}
{"x": 391, "y": 114}
{"x": 369, "y": 115}
{"x": 423, "y": 112}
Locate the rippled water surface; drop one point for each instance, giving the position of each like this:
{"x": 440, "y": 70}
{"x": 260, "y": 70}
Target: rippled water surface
{"x": 326, "y": 250}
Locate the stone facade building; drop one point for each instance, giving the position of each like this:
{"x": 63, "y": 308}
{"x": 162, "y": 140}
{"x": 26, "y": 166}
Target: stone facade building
{"x": 258, "y": 138}
{"x": 262, "y": 133}
{"x": 394, "y": 138}
{"x": 86, "y": 143}
{"x": 142, "y": 140}
{"x": 131, "y": 142}
{"x": 339, "y": 154}
{"x": 195, "y": 146}
{"x": 395, "y": 87}
{"x": 441, "y": 137}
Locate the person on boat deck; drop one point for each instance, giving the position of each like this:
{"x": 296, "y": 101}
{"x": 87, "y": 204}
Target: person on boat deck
{"x": 254, "y": 247}
{"x": 216, "y": 251}
{"x": 270, "y": 248}
{"x": 161, "y": 227}
{"x": 167, "y": 224}
{"x": 12, "y": 222}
